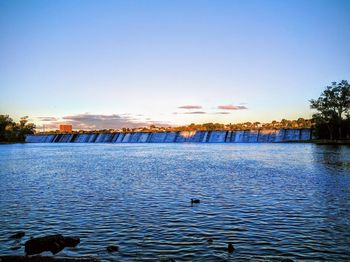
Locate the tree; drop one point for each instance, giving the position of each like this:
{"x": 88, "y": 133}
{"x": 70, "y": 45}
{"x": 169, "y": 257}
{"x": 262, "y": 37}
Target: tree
{"x": 301, "y": 122}
{"x": 6, "y": 124}
{"x": 14, "y": 132}
{"x": 333, "y": 107}
{"x": 24, "y": 128}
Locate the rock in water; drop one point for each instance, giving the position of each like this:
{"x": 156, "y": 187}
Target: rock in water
{"x": 53, "y": 243}
{"x": 112, "y": 248}
{"x": 18, "y": 235}
{"x": 287, "y": 260}
{"x": 71, "y": 241}
{"x": 230, "y": 248}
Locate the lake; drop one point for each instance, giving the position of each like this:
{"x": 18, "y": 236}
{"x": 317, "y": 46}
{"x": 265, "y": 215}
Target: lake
{"x": 272, "y": 201}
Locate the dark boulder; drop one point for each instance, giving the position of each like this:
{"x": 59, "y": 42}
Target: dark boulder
{"x": 112, "y": 248}
{"x": 53, "y": 243}
{"x": 71, "y": 241}
{"x": 18, "y": 235}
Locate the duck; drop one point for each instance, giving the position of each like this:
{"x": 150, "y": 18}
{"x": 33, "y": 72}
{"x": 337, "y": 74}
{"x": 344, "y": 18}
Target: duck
{"x": 195, "y": 201}
{"x": 230, "y": 247}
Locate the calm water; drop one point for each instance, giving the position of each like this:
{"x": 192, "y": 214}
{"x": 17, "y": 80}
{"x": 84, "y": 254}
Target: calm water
{"x": 272, "y": 201}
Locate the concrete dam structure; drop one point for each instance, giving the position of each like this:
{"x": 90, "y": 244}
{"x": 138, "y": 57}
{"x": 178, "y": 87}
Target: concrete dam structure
{"x": 246, "y": 136}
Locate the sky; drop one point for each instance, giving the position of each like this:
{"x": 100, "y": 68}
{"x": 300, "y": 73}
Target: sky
{"x": 112, "y": 64}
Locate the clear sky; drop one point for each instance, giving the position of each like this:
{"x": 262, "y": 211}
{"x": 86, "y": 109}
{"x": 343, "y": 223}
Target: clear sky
{"x": 113, "y": 63}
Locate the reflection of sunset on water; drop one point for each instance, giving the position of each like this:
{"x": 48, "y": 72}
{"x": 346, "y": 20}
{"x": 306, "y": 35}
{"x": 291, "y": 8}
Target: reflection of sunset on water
{"x": 187, "y": 134}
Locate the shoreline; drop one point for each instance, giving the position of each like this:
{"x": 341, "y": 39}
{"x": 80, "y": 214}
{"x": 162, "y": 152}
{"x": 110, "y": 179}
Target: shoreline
{"x": 14, "y": 142}
{"x": 330, "y": 142}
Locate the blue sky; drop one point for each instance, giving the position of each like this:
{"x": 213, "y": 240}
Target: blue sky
{"x": 113, "y": 63}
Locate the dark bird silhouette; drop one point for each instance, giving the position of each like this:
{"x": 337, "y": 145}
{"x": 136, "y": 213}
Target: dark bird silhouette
{"x": 230, "y": 248}
{"x": 195, "y": 201}
{"x": 112, "y": 248}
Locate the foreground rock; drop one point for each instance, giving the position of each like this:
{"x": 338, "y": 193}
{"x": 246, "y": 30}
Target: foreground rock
{"x": 54, "y": 243}
{"x": 46, "y": 259}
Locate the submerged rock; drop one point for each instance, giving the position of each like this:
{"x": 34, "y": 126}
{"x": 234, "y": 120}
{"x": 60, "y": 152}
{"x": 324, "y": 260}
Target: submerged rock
{"x": 15, "y": 247}
{"x": 18, "y": 235}
{"x": 287, "y": 260}
{"x": 112, "y": 248}
{"x": 53, "y": 243}
{"x": 230, "y": 248}
{"x": 210, "y": 241}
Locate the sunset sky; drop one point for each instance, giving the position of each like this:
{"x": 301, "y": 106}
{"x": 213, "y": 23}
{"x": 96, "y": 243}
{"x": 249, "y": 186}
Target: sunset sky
{"x": 107, "y": 64}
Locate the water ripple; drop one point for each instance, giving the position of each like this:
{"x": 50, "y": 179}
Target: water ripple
{"x": 272, "y": 201}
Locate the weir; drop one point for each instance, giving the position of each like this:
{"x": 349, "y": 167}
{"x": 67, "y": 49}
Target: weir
{"x": 246, "y": 136}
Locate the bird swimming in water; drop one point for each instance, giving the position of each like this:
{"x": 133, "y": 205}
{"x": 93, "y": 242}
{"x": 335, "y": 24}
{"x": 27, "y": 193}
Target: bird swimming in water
{"x": 230, "y": 248}
{"x": 195, "y": 201}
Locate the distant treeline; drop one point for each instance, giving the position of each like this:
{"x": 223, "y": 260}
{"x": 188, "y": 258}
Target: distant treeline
{"x": 11, "y": 131}
{"x": 283, "y": 124}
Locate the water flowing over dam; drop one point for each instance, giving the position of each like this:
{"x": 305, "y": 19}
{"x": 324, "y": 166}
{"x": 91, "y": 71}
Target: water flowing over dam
{"x": 247, "y": 136}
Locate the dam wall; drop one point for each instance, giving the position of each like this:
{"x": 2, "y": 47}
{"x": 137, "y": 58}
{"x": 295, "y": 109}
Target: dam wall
{"x": 246, "y": 136}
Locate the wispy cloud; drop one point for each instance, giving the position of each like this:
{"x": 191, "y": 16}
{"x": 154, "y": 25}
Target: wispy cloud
{"x": 202, "y": 113}
{"x": 190, "y": 113}
{"x": 195, "y": 113}
{"x": 47, "y": 118}
{"x": 190, "y": 107}
{"x": 231, "y": 107}
{"x": 100, "y": 121}
{"x": 221, "y": 113}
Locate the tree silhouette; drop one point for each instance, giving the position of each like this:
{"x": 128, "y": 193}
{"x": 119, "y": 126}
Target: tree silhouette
{"x": 14, "y": 132}
{"x": 333, "y": 110}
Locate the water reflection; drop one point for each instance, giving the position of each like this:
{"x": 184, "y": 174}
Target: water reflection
{"x": 333, "y": 156}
